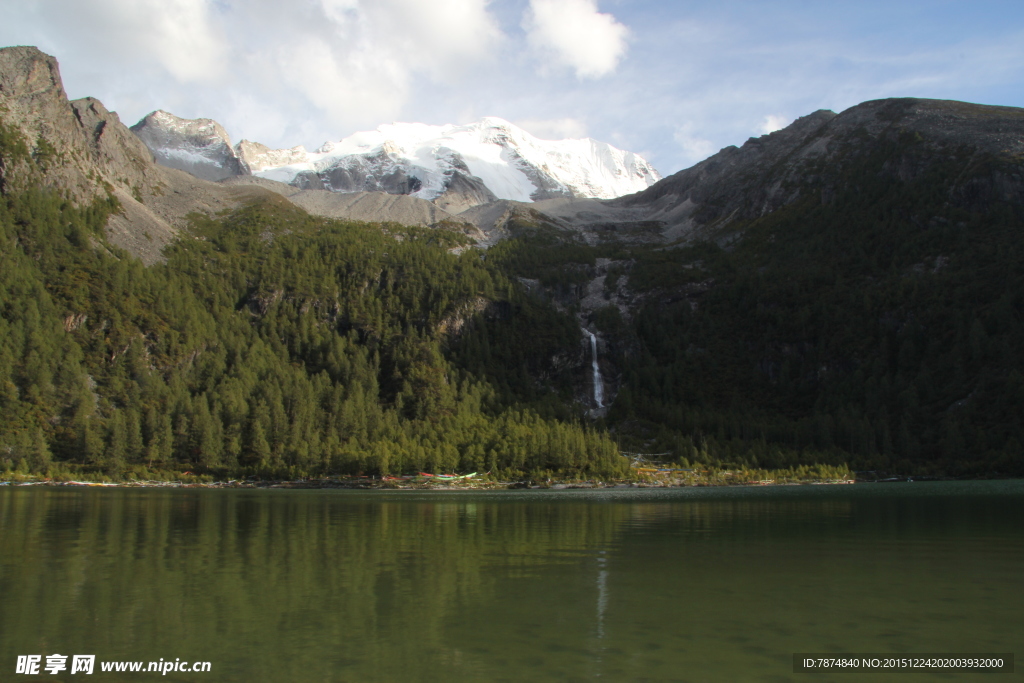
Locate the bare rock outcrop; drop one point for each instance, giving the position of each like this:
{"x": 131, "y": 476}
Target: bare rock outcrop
{"x": 77, "y": 145}
{"x": 463, "y": 192}
{"x": 256, "y": 156}
{"x": 83, "y": 151}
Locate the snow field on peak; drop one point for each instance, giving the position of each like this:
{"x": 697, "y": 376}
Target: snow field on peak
{"x": 192, "y": 155}
{"x": 495, "y": 151}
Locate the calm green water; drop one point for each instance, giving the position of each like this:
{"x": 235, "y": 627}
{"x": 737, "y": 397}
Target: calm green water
{"x": 684, "y": 585}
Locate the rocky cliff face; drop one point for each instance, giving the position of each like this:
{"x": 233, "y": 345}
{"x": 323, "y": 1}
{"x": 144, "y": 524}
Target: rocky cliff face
{"x": 70, "y": 140}
{"x": 81, "y": 149}
{"x": 256, "y": 157}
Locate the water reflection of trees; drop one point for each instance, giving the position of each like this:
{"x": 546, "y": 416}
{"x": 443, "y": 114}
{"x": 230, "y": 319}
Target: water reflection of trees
{"x": 340, "y": 586}
{"x": 249, "y": 580}
{"x": 742, "y": 517}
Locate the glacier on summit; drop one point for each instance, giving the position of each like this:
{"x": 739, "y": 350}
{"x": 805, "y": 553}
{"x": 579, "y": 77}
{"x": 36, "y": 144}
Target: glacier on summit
{"x": 510, "y": 162}
{"x": 454, "y": 166}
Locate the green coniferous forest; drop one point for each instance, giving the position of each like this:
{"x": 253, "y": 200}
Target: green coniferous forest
{"x": 878, "y": 328}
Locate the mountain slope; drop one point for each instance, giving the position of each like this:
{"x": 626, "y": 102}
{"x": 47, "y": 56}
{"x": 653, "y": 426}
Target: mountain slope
{"x": 812, "y": 154}
{"x": 851, "y": 288}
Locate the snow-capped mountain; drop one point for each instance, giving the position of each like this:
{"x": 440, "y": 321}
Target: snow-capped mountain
{"x": 417, "y": 159}
{"x": 455, "y": 166}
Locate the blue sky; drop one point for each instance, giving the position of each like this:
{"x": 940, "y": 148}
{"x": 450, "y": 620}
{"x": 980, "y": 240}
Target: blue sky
{"x": 674, "y": 81}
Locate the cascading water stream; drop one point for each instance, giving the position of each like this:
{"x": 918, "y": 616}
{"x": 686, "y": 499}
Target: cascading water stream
{"x": 598, "y": 382}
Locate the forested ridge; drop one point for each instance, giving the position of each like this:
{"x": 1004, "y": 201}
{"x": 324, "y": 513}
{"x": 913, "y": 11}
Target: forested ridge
{"x": 271, "y": 343}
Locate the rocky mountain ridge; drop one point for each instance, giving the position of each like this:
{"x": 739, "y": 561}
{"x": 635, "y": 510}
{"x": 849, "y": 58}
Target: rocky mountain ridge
{"x": 198, "y": 146}
{"x": 84, "y": 150}
{"x": 905, "y": 138}
{"x": 975, "y": 150}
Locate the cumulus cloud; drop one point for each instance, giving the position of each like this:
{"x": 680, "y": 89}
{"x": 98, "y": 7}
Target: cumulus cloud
{"x": 442, "y": 36}
{"x": 354, "y": 60}
{"x": 575, "y": 34}
{"x": 184, "y": 39}
{"x": 347, "y": 87}
{"x": 772, "y": 123}
{"x": 553, "y": 129}
{"x": 359, "y": 67}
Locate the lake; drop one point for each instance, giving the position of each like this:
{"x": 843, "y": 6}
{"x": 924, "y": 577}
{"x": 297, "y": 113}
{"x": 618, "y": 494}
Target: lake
{"x": 698, "y": 584}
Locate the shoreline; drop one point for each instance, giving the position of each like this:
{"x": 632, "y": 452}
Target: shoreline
{"x": 371, "y": 484}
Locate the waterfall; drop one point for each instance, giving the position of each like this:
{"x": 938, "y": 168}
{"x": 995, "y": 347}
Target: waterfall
{"x": 598, "y": 382}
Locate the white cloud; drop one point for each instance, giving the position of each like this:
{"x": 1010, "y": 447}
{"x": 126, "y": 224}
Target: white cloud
{"x": 576, "y": 35}
{"x": 694, "y": 148}
{"x": 445, "y": 37}
{"x": 349, "y": 87}
{"x": 358, "y": 67}
{"x": 772, "y": 123}
{"x": 553, "y": 129}
{"x": 339, "y": 11}
{"x": 185, "y": 42}
{"x": 178, "y": 35}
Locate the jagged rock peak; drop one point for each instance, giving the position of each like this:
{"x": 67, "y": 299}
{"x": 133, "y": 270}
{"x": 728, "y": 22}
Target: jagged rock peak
{"x": 26, "y": 71}
{"x": 199, "y": 146}
{"x": 83, "y": 151}
{"x": 91, "y": 140}
{"x": 198, "y": 129}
